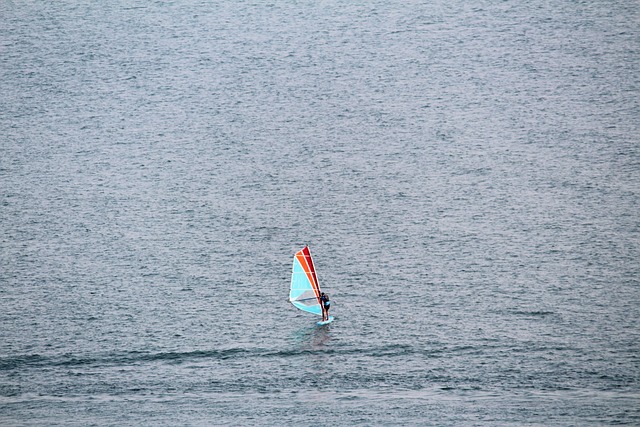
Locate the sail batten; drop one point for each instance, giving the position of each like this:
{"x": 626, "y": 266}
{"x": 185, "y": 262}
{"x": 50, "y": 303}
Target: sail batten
{"x": 305, "y": 290}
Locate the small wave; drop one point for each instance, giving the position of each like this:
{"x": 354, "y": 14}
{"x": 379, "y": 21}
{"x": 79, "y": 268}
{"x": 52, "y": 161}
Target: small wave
{"x": 130, "y": 358}
{"x": 380, "y": 351}
{"x": 9, "y": 363}
{"x": 532, "y": 313}
{"x": 136, "y": 357}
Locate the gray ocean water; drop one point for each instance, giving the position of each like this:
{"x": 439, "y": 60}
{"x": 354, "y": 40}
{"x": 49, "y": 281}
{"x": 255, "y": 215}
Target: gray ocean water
{"x": 466, "y": 173}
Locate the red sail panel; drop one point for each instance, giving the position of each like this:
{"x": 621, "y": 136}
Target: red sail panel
{"x": 312, "y": 268}
{"x": 304, "y": 257}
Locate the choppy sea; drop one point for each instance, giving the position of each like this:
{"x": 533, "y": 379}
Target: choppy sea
{"x": 466, "y": 173}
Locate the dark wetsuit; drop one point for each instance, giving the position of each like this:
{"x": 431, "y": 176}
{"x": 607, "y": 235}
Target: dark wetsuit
{"x": 324, "y": 299}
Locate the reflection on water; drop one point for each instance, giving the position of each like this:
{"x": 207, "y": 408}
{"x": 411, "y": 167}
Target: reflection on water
{"x": 312, "y": 339}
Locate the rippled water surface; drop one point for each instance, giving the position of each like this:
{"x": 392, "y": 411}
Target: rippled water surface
{"x": 467, "y": 175}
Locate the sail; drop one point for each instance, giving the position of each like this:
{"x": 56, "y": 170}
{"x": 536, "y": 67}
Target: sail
{"x": 305, "y": 291}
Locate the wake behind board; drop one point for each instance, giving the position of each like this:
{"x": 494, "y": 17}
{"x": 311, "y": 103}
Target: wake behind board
{"x": 326, "y": 322}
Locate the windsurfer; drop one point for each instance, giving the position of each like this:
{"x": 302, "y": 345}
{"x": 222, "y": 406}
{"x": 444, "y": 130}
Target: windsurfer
{"x": 325, "y": 304}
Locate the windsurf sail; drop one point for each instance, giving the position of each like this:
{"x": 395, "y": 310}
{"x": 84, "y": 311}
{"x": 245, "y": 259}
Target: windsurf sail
{"x": 305, "y": 291}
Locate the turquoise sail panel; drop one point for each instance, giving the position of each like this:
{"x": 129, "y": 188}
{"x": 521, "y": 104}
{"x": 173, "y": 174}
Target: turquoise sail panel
{"x": 304, "y": 292}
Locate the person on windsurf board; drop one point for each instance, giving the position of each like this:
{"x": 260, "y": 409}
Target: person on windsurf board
{"x": 325, "y": 304}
